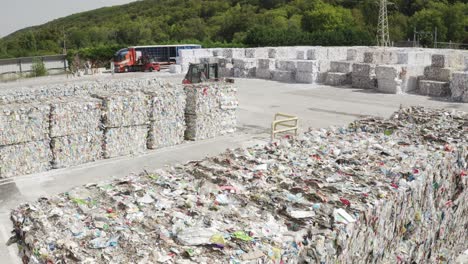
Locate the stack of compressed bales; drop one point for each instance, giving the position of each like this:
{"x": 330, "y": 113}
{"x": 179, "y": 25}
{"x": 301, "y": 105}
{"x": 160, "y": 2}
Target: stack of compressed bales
{"x": 256, "y": 53}
{"x": 285, "y": 71}
{"x": 459, "y": 86}
{"x": 244, "y": 68}
{"x": 339, "y": 74}
{"x": 436, "y": 79}
{"x": 320, "y": 54}
{"x": 363, "y": 76}
{"x": 174, "y": 68}
{"x": 265, "y": 68}
{"x": 186, "y": 56}
{"x": 402, "y": 77}
{"x": 24, "y": 139}
{"x": 36, "y": 93}
{"x": 235, "y": 53}
{"x": 210, "y": 110}
{"x": 125, "y": 121}
{"x": 397, "y": 79}
{"x": 75, "y": 132}
{"x": 226, "y": 68}
{"x": 167, "y": 115}
{"x": 282, "y": 53}
{"x": 307, "y": 71}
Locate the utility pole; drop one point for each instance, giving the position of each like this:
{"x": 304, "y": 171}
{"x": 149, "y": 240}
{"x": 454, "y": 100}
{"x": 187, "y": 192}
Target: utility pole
{"x": 64, "y": 41}
{"x": 383, "y": 35}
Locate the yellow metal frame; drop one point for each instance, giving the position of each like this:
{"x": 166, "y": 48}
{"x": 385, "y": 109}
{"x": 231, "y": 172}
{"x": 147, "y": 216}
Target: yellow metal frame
{"x": 289, "y": 122}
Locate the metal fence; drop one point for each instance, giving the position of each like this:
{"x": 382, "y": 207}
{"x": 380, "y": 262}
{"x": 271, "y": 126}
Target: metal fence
{"x": 24, "y": 64}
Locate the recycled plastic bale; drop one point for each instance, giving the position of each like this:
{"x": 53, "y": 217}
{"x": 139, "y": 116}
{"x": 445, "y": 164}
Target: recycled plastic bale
{"x": 375, "y": 191}
{"x": 25, "y": 158}
{"x": 459, "y": 86}
{"x": 124, "y": 109}
{"x": 341, "y": 66}
{"x": 434, "y": 88}
{"x": 363, "y": 76}
{"x": 74, "y": 115}
{"x": 166, "y": 132}
{"x": 398, "y": 79}
{"x": 76, "y": 149}
{"x": 122, "y": 141}
{"x": 21, "y": 123}
{"x": 283, "y": 76}
{"x": 338, "y": 79}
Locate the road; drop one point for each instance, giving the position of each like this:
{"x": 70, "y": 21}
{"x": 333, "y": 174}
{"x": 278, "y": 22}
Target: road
{"x": 316, "y": 106}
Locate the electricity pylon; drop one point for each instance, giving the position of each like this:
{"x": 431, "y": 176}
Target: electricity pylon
{"x": 383, "y": 35}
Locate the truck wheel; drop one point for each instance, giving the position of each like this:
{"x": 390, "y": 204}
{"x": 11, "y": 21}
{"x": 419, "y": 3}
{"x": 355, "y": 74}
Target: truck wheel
{"x": 126, "y": 69}
{"x": 151, "y": 69}
{"x": 159, "y": 69}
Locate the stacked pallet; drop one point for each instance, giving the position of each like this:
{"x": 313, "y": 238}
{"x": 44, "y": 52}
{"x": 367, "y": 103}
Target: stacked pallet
{"x": 75, "y": 132}
{"x": 210, "y": 110}
{"x": 125, "y": 122}
{"x": 24, "y": 139}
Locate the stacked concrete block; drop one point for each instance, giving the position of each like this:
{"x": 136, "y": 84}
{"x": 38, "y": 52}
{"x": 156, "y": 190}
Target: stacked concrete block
{"x": 265, "y": 67}
{"x": 307, "y": 71}
{"x": 244, "y": 68}
{"x": 210, "y": 110}
{"x": 339, "y": 74}
{"x": 459, "y": 86}
{"x": 398, "y": 79}
{"x": 75, "y": 131}
{"x": 436, "y": 79}
{"x": 363, "y": 76}
{"x": 125, "y": 118}
{"x": 167, "y": 116}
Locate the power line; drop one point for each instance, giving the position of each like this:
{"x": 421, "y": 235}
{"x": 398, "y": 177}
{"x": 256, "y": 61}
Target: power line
{"x": 383, "y": 35}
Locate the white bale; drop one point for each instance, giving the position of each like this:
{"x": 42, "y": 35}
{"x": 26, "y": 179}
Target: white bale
{"x": 381, "y": 57}
{"x": 76, "y": 149}
{"x": 175, "y": 68}
{"x": 389, "y": 86}
{"x": 258, "y": 53}
{"x": 308, "y": 66}
{"x": 337, "y": 53}
{"x": 338, "y": 79}
{"x": 269, "y": 64}
{"x": 356, "y": 54}
{"x": 363, "y": 69}
{"x": 263, "y": 73}
{"x": 459, "y": 86}
{"x": 317, "y": 53}
{"x": 198, "y": 53}
{"x": 286, "y": 65}
{"x": 306, "y": 77}
{"x": 363, "y": 82}
{"x": 438, "y": 74}
{"x": 282, "y": 53}
{"x": 244, "y": 73}
{"x": 406, "y": 75}
{"x": 414, "y": 58}
{"x": 434, "y": 88}
{"x": 283, "y": 76}
{"x": 453, "y": 59}
{"x": 217, "y": 52}
{"x": 235, "y": 53}
{"x": 245, "y": 63}
{"x": 341, "y": 66}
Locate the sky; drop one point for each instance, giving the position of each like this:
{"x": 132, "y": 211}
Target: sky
{"x": 18, "y": 14}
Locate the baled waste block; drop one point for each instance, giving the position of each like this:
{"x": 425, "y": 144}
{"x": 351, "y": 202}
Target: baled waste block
{"x": 317, "y": 53}
{"x": 75, "y": 149}
{"x": 459, "y": 86}
{"x": 256, "y": 53}
{"x": 375, "y": 191}
{"x": 286, "y": 65}
{"x": 282, "y": 53}
{"x": 438, "y": 74}
{"x": 452, "y": 59}
{"x": 122, "y": 141}
{"x": 341, "y": 66}
{"x": 398, "y": 79}
{"x": 211, "y": 110}
{"x": 36, "y": 93}
{"x": 166, "y": 132}
{"x": 23, "y": 123}
{"x": 283, "y": 76}
{"x": 337, "y": 53}
{"x": 124, "y": 109}
{"x": 338, "y": 79}
{"x": 74, "y": 115}
{"x": 363, "y": 76}
{"x": 25, "y": 158}
{"x": 434, "y": 88}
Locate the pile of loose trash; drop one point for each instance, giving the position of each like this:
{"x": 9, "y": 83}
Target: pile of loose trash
{"x": 376, "y": 191}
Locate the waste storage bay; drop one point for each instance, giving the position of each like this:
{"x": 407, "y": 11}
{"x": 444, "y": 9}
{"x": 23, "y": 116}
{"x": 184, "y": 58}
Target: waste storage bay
{"x": 378, "y": 178}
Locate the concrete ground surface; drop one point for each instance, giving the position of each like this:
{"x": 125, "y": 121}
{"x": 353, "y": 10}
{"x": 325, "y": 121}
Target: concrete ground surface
{"x": 316, "y": 106}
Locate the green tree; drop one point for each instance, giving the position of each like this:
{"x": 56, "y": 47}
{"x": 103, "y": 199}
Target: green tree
{"x": 38, "y": 68}
{"x": 327, "y": 18}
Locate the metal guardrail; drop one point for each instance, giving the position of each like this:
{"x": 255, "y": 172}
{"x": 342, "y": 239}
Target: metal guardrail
{"x": 286, "y": 124}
